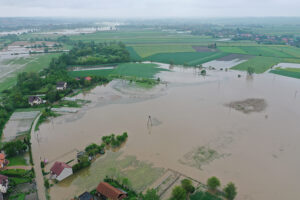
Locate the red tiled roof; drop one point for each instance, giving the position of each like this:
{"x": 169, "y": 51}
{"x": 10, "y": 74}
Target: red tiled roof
{"x": 3, "y": 179}
{"x": 110, "y": 192}
{"x": 58, "y": 167}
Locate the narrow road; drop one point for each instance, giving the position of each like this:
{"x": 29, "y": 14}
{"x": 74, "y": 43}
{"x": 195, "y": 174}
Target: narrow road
{"x": 36, "y": 160}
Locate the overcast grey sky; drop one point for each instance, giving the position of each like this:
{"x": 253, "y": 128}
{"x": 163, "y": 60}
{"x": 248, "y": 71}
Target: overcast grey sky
{"x": 149, "y": 8}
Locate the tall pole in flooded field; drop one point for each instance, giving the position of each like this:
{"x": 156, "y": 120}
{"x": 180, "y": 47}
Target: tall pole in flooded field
{"x": 149, "y": 124}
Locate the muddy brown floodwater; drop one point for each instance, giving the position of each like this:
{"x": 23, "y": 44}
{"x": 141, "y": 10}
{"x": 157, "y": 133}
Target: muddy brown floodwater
{"x": 195, "y": 134}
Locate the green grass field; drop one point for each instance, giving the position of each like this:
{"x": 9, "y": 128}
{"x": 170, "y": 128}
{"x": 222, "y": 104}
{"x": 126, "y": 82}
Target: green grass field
{"x": 139, "y": 70}
{"x": 186, "y": 58}
{"x": 259, "y": 63}
{"x": 263, "y": 50}
{"x": 17, "y": 161}
{"x": 133, "y": 54}
{"x": 104, "y": 73}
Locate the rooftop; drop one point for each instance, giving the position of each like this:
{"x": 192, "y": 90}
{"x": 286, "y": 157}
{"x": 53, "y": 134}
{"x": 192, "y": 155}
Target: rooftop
{"x": 58, "y": 167}
{"x": 110, "y": 192}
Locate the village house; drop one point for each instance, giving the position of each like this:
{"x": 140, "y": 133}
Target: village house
{"x": 88, "y": 78}
{"x": 3, "y": 161}
{"x": 107, "y": 191}
{"x": 61, "y": 85}
{"x": 34, "y": 100}
{"x": 3, "y": 183}
{"x": 60, "y": 171}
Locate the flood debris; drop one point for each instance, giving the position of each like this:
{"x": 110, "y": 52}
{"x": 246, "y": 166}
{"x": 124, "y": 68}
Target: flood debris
{"x": 248, "y": 105}
{"x": 200, "y": 156}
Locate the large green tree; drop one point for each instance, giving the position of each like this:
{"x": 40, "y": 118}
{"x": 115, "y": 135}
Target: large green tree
{"x": 187, "y": 185}
{"x": 213, "y": 183}
{"x": 230, "y": 191}
{"x": 150, "y": 195}
{"x": 178, "y": 193}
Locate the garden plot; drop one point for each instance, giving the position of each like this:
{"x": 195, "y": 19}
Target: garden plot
{"x": 18, "y": 124}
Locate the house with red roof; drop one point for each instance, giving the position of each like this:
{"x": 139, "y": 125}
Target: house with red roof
{"x": 3, "y": 183}
{"x": 107, "y": 191}
{"x": 3, "y": 161}
{"x": 60, "y": 171}
{"x": 88, "y": 78}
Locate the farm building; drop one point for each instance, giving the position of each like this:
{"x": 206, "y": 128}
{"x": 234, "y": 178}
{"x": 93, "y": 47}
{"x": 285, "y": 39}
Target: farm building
{"x": 35, "y": 100}
{"x": 3, "y": 183}
{"x": 106, "y": 191}
{"x": 61, "y": 85}
{"x": 60, "y": 171}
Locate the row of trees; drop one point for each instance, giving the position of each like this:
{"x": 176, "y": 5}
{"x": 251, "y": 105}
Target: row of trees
{"x": 214, "y": 183}
{"x": 93, "y": 53}
{"x": 186, "y": 188}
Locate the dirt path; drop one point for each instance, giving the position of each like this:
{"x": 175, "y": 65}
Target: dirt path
{"x": 36, "y": 159}
{"x": 19, "y": 167}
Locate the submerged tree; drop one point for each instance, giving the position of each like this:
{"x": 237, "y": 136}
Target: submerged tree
{"x": 230, "y": 191}
{"x": 203, "y": 72}
{"x": 250, "y": 70}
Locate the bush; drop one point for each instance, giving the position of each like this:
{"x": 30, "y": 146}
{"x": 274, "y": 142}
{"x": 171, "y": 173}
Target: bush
{"x": 80, "y": 165}
{"x": 46, "y": 183}
{"x": 42, "y": 164}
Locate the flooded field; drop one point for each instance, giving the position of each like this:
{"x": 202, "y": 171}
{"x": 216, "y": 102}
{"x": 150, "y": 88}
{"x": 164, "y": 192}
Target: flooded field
{"x": 194, "y": 132}
{"x": 18, "y": 124}
{"x": 287, "y": 65}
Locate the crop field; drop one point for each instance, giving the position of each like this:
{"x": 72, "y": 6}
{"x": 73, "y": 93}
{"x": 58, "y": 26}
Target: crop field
{"x": 186, "y": 58}
{"x": 267, "y": 51}
{"x": 289, "y": 72}
{"x": 140, "y": 70}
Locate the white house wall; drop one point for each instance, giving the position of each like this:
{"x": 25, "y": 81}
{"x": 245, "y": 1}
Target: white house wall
{"x": 64, "y": 174}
